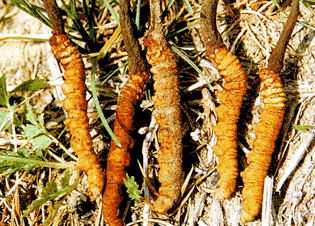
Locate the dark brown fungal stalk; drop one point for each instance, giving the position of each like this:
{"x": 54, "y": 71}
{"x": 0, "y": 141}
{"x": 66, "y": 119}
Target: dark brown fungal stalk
{"x": 54, "y": 16}
{"x": 275, "y": 62}
{"x": 234, "y": 88}
{"x": 119, "y": 157}
{"x": 75, "y": 102}
{"x": 167, "y": 111}
{"x": 267, "y": 130}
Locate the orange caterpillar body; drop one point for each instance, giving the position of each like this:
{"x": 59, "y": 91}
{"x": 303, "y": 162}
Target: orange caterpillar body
{"x": 119, "y": 157}
{"x": 76, "y": 106}
{"x": 267, "y": 130}
{"x": 168, "y": 117}
{"x": 234, "y": 88}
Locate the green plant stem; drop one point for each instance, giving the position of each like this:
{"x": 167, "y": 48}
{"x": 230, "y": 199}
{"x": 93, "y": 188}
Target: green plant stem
{"x": 37, "y": 163}
{"x": 100, "y": 112}
{"x": 112, "y": 11}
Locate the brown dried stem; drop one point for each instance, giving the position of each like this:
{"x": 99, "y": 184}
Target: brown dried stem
{"x": 167, "y": 111}
{"x": 119, "y": 157}
{"x": 75, "y": 102}
{"x": 234, "y": 88}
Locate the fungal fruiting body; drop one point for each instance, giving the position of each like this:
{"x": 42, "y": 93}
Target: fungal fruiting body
{"x": 230, "y": 98}
{"x": 168, "y": 116}
{"x": 266, "y": 130}
{"x": 76, "y": 106}
{"x": 118, "y": 157}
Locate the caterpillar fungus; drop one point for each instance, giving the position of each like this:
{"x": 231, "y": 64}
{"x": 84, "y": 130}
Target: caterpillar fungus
{"x": 119, "y": 157}
{"x": 75, "y": 102}
{"x": 76, "y": 106}
{"x": 234, "y": 88}
{"x": 267, "y": 129}
{"x": 167, "y": 112}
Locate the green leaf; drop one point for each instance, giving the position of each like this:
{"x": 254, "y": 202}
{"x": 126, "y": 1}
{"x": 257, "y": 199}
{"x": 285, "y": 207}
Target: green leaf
{"x": 132, "y": 188}
{"x": 31, "y": 131}
{"x": 41, "y": 142}
{"x": 33, "y": 10}
{"x": 111, "y": 10}
{"x": 23, "y": 152}
{"x": 65, "y": 179}
{"x": 51, "y": 187}
{"x": 303, "y": 127}
{"x": 42, "y": 122}
{"x": 51, "y": 191}
{"x": 4, "y": 100}
{"x": 32, "y": 85}
{"x": 47, "y": 194}
{"x": 5, "y": 120}
{"x": 100, "y": 112}
{"x": 30, "y": 116}
{"x": 11, "y": 162}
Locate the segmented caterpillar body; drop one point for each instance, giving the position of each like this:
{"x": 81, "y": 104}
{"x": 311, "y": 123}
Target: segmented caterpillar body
{"x": 234, "y": 88}
{"x": 168, "y": 117}
{"x": 267, "y": 130}
{"x": 119, "y": 157}
{"x": 76, "y": 106}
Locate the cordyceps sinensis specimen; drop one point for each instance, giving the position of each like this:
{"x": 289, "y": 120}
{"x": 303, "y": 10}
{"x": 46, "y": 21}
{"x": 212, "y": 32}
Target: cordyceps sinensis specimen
{"x": 119, "y": 157}
{"x": 75, "y": 102}
{"x": 267, "y": 129}
{"x": 230, "y": 98}
{"x": 167, "y": 112}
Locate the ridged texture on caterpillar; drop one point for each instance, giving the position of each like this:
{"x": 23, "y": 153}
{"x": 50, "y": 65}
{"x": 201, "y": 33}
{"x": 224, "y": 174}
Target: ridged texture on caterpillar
{"x": 267, "y": 130}
{"x": 118, "y": 157}
{"x": 167, "y": 114}
{"x": 234, "y": 88}
{"x": 76, "y": 106}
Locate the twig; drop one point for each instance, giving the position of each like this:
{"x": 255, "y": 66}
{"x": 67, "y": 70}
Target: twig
{"x": 297, "y": 157}
{"x": 266, "y": 216}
